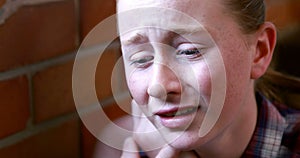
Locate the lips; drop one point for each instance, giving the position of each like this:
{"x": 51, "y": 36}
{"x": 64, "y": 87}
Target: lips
{"x": 176, "y": 112}
{"x": 176, "y": 117}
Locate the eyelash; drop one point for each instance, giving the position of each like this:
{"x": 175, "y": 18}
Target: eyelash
{"x": 142, "y": 62}
{"x": 189, "y": 53}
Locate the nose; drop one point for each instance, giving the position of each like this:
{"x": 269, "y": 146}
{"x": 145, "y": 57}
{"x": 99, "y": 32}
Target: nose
{"x": 164, "y": 82}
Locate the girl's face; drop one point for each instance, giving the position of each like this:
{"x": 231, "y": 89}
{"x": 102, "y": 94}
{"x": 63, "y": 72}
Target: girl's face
{"x": 189, "y": 73}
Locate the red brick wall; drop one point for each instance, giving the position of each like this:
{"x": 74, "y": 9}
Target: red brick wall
{"x": 38, "y": 44}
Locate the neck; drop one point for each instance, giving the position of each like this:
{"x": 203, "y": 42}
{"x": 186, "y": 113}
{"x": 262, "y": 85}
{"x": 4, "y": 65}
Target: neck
{"x": 235, "y": 138}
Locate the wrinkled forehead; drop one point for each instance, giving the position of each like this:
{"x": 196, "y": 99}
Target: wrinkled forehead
{"x": 175, "y": 4}
{"x": 156, "y": 17}
{"x": 164, "y": 14}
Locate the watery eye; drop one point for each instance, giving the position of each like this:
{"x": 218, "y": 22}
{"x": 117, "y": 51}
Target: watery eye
{"x": 189, "y": 53}
{"x": 142, "y": 62}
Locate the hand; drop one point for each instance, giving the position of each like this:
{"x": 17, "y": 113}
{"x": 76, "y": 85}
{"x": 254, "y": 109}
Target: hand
{"x": 130, "y": 150}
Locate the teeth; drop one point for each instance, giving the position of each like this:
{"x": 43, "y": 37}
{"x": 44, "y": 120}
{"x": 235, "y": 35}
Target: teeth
{"x": 170, "y": 114}
{"x": 182, "y": 112}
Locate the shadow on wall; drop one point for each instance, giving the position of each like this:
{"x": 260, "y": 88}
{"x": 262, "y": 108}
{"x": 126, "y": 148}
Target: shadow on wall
{"x": 287, "y": 55}
{"x": 283, "y": 79}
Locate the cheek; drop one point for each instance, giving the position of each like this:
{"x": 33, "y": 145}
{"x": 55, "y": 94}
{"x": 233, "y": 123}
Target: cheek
{"x": 237, "y": 62}
{"x": 137, "y": 84}
{"x": 238, "y": 70}
{"x": 203, "y": 81}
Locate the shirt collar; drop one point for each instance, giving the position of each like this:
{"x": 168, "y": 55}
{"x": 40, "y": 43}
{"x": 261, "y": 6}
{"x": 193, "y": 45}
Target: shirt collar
{"x": 270, "y": 127}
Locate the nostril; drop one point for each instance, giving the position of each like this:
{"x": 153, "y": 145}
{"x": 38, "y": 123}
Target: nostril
{"x": 157, "y": 91}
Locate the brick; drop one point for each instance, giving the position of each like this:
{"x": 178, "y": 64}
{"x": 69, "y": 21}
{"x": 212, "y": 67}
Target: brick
{"x": 2, "y": 3}
{"x": 14, "y": 99}
{"x": 90, "y": 74}
{"x": 94, "y": 119}
{"x": 53, "y": 92}
{"x": 122, "y": 84}
{"x": 84, "y": 80}
{"x": 103, "y": 78}
{"x": 94, "y": 11}
{"x": 52, "y": 87}
{"x": 118, "y": 76}
{"x": 60, "y": 142}
{"x": 88, "y": 143}
{"x": 105, "y": 32}
{"x": 93, "y": 124}
{"x": 38, "y": 32}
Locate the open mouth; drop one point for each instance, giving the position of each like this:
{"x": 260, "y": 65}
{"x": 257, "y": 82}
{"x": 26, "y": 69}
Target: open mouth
{"x": 176, "y": 117}
{"x": 178, "y": 112}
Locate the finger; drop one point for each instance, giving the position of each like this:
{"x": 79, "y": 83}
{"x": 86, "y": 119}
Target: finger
{"x": 136, "y": 111}
{"x": 136, "y": 114}
{"x": 130, "y": 149}
{"x": 168, "y": 152}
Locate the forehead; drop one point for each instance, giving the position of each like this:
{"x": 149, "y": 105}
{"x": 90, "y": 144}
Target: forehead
{"x": 131, "y": 4}
{"x": 181, "y": 5}
{"x": 194, "y": 8}
{"x": 167, "y": 13}
{"x": 160, "y": 18}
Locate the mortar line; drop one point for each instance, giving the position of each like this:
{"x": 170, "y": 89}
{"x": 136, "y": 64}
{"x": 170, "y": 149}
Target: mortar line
{"x": 20, "y": 136}
{"x": 44, "y": 126}
{"x": 35, "y": 67}
{"x": 86, "y": 51}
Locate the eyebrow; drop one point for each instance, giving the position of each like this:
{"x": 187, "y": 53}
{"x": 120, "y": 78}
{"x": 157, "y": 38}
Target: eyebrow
{"x": 139, "y": 38}
{"x": 136, "y": 38}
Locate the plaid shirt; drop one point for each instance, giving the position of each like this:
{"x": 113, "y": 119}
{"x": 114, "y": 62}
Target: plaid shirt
{"x": 277, "y": 132}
